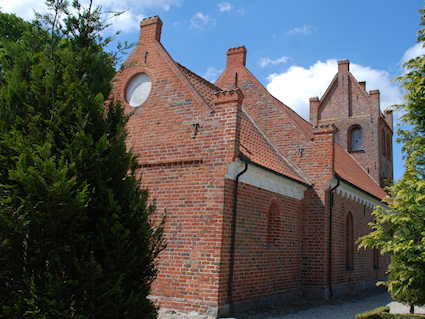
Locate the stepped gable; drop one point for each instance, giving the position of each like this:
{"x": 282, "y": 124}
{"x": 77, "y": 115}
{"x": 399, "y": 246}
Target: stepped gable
{"x": 256, "y": 148}
{"x": 348, "y": 169}
{"x": 204, "y": 87}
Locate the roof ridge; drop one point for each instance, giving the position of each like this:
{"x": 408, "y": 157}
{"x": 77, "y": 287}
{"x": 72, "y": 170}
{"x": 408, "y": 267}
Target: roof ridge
{"x": 358, "y": 84}
{"x": 273, "y": 146}
{"x": 328, "y": 89}
{"x": 299, "y": 117}
{"x": 173, "y": 64}
{"x": 280, "y": 104}
{"x": 211, "y": 85}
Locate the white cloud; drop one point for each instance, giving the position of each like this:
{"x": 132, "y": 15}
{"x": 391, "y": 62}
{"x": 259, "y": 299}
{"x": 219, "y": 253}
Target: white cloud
{"x": 126, "y": 22}
{"x": 224, "y": 6}
{"x": 295, "y": 86}
{"x": 23, "y": 8}
{"x": 199, "y": 20}
{"x": 305, "y": 30}
{"x": 129, "y": 21}
{"x": 267, "y": 61}
{"x": 378, "y": 80}
{"x": 212, "y": 73}
{"x": 412, "y": 52}
{"x": 162, "y": 4}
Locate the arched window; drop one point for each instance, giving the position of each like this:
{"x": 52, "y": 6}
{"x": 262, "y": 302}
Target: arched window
{"x": 273, "y": 225}
{"x": 383, "y": 142}
{"x": 355, "y": 138}
{"x": 388, "y": 147}
{"x": 349, "y": 242}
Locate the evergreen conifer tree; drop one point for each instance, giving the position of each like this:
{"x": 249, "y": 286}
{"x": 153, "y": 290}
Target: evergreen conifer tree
{"x": 76, "y": 235}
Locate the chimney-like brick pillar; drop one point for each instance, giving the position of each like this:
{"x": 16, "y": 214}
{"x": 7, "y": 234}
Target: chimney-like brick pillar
{"x": 389, "y": 118}
{"x": 314, "y": 110}
{"x": 363, "y": 85}
{"x": 343, "y": 66}
{"x": 150, "y": 30}
{"x": 228, "y": 107}
{"x": 374, "y": 97}
{"x": 236, "y": 56}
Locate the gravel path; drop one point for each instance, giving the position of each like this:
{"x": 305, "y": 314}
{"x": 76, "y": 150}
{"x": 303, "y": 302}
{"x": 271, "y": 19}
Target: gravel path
{"x": 344, "y": 308}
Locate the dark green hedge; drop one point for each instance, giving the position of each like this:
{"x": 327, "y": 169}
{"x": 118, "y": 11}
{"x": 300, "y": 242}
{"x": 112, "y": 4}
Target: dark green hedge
{"x": 374, "y": 313}
{"x": 383, "y": 313}
{"x": 401, "y": 316}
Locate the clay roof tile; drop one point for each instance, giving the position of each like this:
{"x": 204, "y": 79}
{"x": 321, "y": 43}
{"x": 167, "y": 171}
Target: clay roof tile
{"x": 348, "y": 169}
{"x": 204, "y": 87}
{"x": 255, "y": 147}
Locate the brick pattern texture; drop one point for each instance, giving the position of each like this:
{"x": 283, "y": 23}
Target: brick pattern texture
{"x": 186, "y": 134}
{"x": 347, "y": 105}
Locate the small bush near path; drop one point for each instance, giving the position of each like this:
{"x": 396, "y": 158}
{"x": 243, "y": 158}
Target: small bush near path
{"x": 374, "y": 313}
{"x": 401, "y": 316}
{"x": 383, "y": 312}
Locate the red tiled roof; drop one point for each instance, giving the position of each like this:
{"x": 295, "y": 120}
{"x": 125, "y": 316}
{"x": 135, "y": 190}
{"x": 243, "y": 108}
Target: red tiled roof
{"x": 204, "y": 87}
{"x": 255, "y": 146}
{"x": 347, "y": 168}
{"x": 258, "y": 149}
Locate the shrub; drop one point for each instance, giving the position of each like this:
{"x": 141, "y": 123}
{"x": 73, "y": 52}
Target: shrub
{"x": 374, "y": 313}
{"x": 76, "y": 235}
{"x": 401, "y": 316}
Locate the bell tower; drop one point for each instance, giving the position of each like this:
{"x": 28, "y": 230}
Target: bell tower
{"x": 362, "y": 129}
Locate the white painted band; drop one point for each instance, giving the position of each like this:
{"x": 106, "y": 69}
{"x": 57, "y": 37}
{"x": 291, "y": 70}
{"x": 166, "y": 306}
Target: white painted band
{"x": 266, "y": 180}
{"x": 353, "y": 193}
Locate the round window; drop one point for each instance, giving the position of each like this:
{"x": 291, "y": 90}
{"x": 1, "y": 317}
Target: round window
{"x": 138, "y": 89}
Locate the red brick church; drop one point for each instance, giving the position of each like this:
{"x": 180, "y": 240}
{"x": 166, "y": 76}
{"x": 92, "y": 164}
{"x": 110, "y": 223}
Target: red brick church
{"x": 262, "y": 206}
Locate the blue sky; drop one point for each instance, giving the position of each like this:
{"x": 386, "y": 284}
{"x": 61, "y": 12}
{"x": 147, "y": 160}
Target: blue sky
{"x": 292, "y": 46}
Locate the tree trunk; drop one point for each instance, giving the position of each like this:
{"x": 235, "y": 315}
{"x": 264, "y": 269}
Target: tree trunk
{"x": 412, "y": 309}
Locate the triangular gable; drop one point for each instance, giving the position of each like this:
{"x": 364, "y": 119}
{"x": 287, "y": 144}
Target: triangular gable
{"x": 303, "y": 126}
{"x": 358, "y": 84}
{"x": 205, "y": 88}
{"x": 328, "y": 90}
{"x": 334, "y": 82}
{"x": 135, "y": 62}
{"x": 179, "y": 72}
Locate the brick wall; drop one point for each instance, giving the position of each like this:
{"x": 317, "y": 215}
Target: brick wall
{"x": 347, "y": 104}
{"x": 365, "y": 272}
{"x": 385, "y": 148}
{"x": 185, "y": 143}
{"x": 267, "y": 256}
{"x": 310, "y": 150}
{"x": 183, "y": 169}
{"x": 318, "y": 164}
